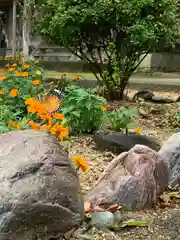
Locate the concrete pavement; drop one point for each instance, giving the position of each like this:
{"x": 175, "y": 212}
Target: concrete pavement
{"x": 155, "y": 81}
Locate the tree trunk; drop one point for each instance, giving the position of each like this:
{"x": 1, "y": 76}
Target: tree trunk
{"x": 123, "y": 83}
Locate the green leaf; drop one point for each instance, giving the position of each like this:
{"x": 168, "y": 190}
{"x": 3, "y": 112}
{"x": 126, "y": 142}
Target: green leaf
{"x": 174, "y": 195}
{"x": 129, "y": 223}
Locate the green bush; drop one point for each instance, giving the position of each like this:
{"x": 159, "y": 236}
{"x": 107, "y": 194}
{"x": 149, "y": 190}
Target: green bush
{"x": 20, "y": 81}
{"x": 121, "y": 33}
{"x": 6, "y": 113}
{"x": 120, "y": 119}
{"x": 82, "y": 109}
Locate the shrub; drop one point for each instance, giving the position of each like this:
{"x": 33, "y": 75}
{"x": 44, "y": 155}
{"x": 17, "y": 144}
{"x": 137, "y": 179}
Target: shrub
{"x": 20, "y": 81}
{"x": 120, "y": 119}
{"x": 82, "y": 109}
{"x": 5, "y": 115}
{"x": 120, "y": 33}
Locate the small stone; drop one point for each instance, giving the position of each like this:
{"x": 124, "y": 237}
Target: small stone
{"x": 178, "y": 99}
{"x": 101, "y": 219}
{"x": 144, "y": 94}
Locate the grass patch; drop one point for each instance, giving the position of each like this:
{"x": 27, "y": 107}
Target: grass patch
{"x": 81, "y": 75}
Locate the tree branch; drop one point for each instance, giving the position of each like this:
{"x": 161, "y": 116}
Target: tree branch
{"x": 145, "y": 55}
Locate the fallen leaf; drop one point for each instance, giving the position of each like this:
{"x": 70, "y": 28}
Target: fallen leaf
{"x": 87, "y": 207}
{"x": 134, "y": 223}
{"x": 129, "y": 223}
{"x": 174, "y": 195}
{"x": 114, "y": 208}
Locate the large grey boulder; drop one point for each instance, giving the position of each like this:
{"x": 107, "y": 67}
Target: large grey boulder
{"x": 40, "y": 193}
{"x": 135, "y": 180}
{"x": 171, "y": 151}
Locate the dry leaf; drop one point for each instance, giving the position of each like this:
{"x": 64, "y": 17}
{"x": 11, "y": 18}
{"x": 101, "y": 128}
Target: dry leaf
{"x": 164, "y": 201}
{"x": 87, "y": 207}
{"x": 114, "y": 208}
{"x": 164, "y": 198}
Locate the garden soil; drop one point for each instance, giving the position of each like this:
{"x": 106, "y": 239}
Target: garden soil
{"x": 159, "y": 123}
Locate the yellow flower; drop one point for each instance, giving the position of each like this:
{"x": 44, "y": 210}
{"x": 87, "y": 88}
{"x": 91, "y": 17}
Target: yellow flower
{"x": 21, "y": 53}
{"x": 80, "y": 162}
{"x": 36, "y": 82}
{"x": 138, "y": 130}
{"x": 38, "y": 73}
{"x": 26, "y": 66}
{"x": 25, "y": 122}
{"x": 75, "y": 78}
{"x": 3, "y": 78}
{"x": 14, "y": 65}
{"x": 51, "y": 83}
{"x": 103, "y": 108}
{"x": 36, "y": 61}
{"x": 59, "y": 116}
{"x": 13, "y": 92}
{"x": 2, "y": 92}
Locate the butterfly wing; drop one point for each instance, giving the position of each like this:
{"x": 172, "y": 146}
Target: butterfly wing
{"x": 52, "y": 103}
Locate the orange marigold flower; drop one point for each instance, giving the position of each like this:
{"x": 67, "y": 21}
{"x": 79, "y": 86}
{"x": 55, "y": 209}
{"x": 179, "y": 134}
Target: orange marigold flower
{"x": 1, "y": 70}
{"x": 36, "y": 82}
{"x": 138, "y": 130}
{"x": 25, "y": 74}
{"x": 45, "y": 127}
{"x": 18, "y": 74}
{"x": 34, "y": 126}
{"x": 47, "y": 117}
{"x": 3, "y": 78}
{"x": 12, "y": 69}
{"x": 13, "y": 124}
{"x": 80, "y": 162}
{"x": 55, "y": 128}
{"x": 63, "y": 133}
{"x": 58, "y": 116}
{"x": 13, "y": 92}
{"x": 103, "y": 108}
{"x": 75, "y": 78}
{"x": 30, "y": 101}
{"x": 2, "y": 92}
{"x": 34, "y": 106}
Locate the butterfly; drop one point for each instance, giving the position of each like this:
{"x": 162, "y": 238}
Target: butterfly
{"x": 53, "y": 102}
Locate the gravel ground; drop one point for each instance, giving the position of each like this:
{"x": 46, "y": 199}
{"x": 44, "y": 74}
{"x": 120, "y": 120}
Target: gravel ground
{"x": 164, "y": 223}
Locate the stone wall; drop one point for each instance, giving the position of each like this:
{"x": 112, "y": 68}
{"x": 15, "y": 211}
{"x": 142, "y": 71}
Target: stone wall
{"x": 59, "y": 59}
{"x": 62, "y": 60}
